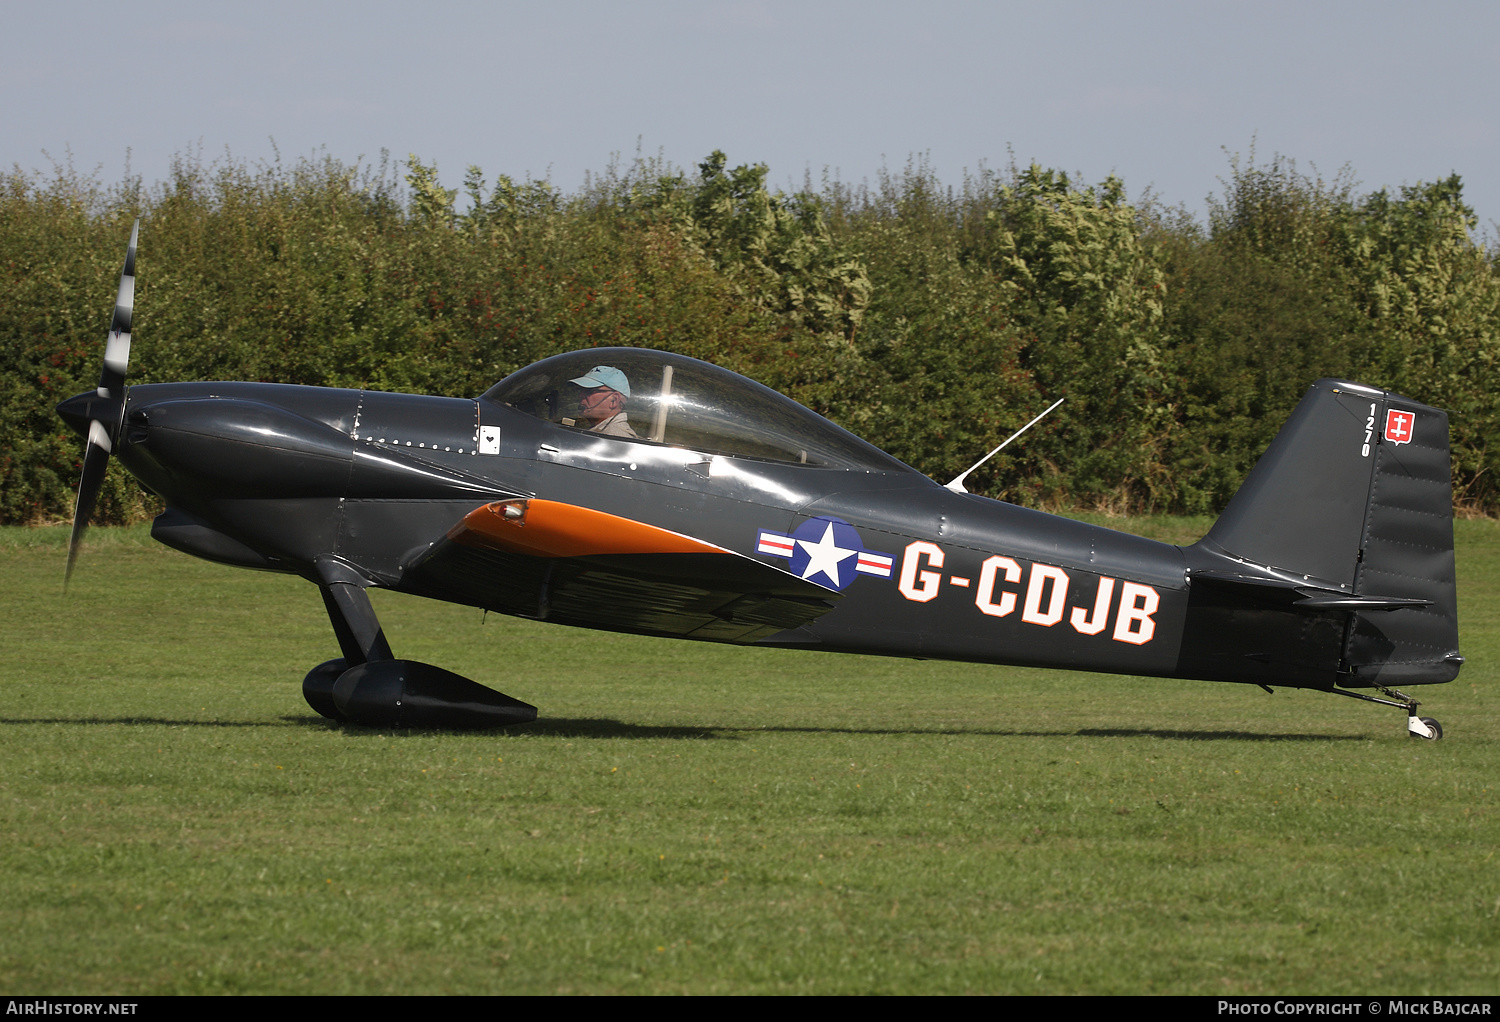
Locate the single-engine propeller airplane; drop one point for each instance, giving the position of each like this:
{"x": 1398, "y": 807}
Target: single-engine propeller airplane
{"x": 642, "y": 491}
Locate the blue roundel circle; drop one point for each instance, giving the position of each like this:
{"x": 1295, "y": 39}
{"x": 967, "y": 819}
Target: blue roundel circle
{"x": 827, "y": 551}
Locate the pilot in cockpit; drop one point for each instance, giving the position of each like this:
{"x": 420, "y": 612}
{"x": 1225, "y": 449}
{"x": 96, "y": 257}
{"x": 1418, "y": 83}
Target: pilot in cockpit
{"x": 602, "y": 405}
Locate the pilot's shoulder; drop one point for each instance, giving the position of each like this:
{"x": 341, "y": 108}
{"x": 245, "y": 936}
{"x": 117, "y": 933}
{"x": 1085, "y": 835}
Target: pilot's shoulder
{"x": 619, "y": 426}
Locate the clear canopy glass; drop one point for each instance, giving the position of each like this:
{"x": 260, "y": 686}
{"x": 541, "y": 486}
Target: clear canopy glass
{"x": 682, "y": 402}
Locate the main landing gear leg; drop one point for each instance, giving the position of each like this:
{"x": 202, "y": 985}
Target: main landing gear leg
{"x": 361, "y": 640}
{"x": 368, "y": 685}
{"x": 1416, "y": 727}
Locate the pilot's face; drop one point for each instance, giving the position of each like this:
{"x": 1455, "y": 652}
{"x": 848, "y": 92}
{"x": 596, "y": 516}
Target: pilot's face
{"x": 600, "y": 404}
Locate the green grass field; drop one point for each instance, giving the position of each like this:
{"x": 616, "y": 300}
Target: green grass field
{"x": 708, "y": 819}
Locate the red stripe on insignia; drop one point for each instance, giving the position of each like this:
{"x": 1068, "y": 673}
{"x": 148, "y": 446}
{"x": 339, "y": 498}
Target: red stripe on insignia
{"x": 775, "y": 545}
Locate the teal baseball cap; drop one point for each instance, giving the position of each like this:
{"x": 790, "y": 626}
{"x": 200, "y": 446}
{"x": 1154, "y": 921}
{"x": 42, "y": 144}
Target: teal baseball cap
{"x": 604, "y": 376}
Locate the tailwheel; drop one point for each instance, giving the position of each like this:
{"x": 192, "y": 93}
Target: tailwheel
{"x": 1416, "y": 727}
{"x": 1424, "y": 727}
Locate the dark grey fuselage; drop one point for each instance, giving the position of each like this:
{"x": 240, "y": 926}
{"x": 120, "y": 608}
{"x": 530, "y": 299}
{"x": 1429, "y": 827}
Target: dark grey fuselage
{"x": 276, "y": 477}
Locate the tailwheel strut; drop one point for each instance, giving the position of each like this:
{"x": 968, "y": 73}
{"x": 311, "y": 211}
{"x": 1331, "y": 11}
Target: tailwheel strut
{"x": 1416, "y": 727}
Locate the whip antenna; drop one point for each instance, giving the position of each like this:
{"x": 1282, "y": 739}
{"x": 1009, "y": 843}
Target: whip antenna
{"x": 957, "y": 485}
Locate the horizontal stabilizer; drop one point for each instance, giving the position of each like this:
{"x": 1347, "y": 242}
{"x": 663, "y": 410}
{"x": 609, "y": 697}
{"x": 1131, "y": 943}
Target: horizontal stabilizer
{"x": 1302, "y": 595}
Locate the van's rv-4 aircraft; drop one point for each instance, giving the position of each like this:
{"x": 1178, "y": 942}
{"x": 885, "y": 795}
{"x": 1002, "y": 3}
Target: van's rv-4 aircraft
{"x": 642, "y": 491}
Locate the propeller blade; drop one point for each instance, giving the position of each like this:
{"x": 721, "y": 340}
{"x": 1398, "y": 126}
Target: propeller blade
{"x": 107, "y": 408}
{"x": 117, "y": 347}
{"x": 95, "y": 461}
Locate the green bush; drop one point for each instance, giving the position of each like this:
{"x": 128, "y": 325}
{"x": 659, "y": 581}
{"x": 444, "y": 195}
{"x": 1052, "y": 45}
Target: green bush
{"x": 930, "y": 319}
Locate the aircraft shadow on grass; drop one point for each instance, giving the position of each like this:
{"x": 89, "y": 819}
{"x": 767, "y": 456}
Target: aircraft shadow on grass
{"x": 607, "y": 728}
{"x": 141, "y": 721}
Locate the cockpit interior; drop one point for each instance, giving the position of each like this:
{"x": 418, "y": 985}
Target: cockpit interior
{"x": 676, "y": 401}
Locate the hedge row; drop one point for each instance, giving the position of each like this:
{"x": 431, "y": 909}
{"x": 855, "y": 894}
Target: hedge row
{"x": 932, "y": 320}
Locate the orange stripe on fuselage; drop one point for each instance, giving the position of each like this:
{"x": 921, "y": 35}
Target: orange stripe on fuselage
{"x": 549, "y": 528}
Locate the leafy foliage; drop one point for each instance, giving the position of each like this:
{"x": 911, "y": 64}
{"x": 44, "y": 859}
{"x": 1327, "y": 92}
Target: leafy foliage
{"x": 932, "y": 320}
{"x": 1087, "y": 291}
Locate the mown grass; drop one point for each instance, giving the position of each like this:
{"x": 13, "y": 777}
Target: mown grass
{"x": 696, "y": 818}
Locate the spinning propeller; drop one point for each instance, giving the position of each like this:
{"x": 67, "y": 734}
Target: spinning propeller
{"x": 103, "y": 410}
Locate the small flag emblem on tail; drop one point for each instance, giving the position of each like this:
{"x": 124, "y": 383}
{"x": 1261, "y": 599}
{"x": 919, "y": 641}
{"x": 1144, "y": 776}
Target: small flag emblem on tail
{"x": 1398, "y": 426}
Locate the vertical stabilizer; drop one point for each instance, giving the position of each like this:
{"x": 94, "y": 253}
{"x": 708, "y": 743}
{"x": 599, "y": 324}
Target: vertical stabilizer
{"x": 1352, "y": 507}
{"x": 1302, "y": 507}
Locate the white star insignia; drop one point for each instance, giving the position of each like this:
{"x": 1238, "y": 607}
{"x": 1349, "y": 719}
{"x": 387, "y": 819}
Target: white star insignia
{"x": 824, "y": 556}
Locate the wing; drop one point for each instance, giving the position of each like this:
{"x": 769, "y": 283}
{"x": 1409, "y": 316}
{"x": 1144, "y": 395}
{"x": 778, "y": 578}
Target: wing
{"x": 573, "y": 565}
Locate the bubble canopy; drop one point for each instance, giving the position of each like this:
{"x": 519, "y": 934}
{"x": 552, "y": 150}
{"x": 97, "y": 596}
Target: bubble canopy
{"x": 678, "y": 401}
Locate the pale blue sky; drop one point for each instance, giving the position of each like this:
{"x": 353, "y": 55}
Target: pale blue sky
{"x": 1153, "y": 92}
